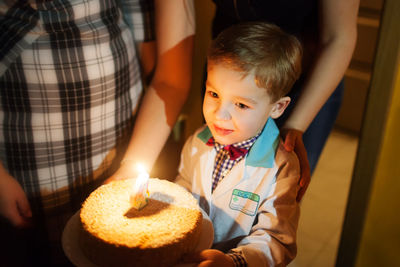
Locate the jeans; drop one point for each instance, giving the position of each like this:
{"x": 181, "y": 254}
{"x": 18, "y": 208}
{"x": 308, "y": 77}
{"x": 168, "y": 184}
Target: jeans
{"x": 318, "y": 131}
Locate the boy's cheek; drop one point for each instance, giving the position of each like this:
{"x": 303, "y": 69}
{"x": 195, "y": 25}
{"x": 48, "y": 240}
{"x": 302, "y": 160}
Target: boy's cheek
{"x": 207, "y": 111}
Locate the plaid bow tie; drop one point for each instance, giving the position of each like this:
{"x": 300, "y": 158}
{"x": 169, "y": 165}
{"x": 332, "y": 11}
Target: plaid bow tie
{"x": 234, "y": 152}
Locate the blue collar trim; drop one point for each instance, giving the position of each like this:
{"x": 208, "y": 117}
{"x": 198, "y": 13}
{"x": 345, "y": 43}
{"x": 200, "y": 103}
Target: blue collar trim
{"x": 262, "y": 153}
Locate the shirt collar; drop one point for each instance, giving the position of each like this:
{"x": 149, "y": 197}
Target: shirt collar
{"x": 246, "y": 144}
{"x": 262, "y": 153}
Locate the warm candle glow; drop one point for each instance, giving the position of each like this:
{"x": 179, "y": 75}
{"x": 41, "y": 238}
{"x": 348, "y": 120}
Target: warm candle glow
{"x": 140, "y": 193}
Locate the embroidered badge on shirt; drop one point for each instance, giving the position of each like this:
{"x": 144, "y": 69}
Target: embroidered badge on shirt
{"x": 245, "y": 202}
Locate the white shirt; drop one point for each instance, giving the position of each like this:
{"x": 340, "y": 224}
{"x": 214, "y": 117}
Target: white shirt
{"x": 254, "y": 207}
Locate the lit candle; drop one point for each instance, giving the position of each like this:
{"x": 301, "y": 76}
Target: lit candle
{"x": 140, "y": 193}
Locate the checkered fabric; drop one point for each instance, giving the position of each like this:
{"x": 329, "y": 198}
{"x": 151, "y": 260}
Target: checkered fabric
{"x": 223, "y": 163}
{"x": 69, "y": 86}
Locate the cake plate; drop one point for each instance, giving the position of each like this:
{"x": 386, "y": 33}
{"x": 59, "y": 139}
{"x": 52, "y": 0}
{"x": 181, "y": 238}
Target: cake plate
{"x": 70, "y": 241}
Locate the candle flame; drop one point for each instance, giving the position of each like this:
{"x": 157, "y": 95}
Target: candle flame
{"x": 140, "y": 191}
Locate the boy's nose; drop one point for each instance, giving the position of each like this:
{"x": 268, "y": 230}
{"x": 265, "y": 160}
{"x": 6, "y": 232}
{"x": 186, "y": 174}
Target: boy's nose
{"x": 222, "y": 113}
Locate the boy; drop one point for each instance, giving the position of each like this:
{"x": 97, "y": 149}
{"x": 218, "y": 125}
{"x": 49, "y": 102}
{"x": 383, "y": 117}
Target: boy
{"x": 236, "y": 165}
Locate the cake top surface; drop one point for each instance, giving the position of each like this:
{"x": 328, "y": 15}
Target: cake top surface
{"x": 171, "y": 212}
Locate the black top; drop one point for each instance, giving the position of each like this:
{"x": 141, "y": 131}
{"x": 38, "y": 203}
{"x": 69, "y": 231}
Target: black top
{"x": 293, "y": 16}
{"x": 297, "y": 17}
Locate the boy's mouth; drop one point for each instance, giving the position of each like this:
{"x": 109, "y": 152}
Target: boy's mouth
{"x": 221, "y": 131}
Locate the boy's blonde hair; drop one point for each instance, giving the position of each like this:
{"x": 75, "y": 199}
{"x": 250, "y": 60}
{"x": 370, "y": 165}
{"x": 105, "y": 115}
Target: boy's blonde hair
{"x": 273, "y": 56}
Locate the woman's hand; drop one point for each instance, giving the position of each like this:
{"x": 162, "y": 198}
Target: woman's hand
{"x": 210, "y": 258}
{"x": 127, "y": 169}
{"x": 14, "y": 204}
{"x": 293, "y": 141}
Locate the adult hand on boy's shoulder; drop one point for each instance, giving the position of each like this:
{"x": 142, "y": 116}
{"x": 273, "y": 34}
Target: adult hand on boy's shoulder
{"x": 14, "y": 205}
{"x": 293, "y": 141}
{"x": 210, "y": 258}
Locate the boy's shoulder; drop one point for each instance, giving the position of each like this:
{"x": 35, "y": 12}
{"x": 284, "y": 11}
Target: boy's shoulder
{"x": 198, "y": 139}
{"x": 202, "y": 134}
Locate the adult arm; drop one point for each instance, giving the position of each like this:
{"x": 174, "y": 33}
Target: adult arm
{"x": 169, "y": 87}
{"x": 338, "y": 33}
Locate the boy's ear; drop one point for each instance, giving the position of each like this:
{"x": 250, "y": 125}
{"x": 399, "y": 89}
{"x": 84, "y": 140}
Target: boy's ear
{"x": 279, "y": 107}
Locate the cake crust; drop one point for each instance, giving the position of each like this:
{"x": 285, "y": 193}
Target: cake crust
{"x": 115, "y": 234}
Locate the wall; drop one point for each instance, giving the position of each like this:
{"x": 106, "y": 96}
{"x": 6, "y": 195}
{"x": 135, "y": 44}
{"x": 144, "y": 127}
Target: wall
{"x": 358, "y": 75}
{"x": 371, "y": 233}
{"x": 380, "y": 242}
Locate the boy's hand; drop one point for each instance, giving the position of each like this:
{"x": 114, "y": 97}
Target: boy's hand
{"x": 14, "y": 204}
{"x": 210, "y": 258}
{"x": 294, "y": 142}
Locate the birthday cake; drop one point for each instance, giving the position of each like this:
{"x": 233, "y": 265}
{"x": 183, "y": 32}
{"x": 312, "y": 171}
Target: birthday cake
{"x": 116, "y": 234}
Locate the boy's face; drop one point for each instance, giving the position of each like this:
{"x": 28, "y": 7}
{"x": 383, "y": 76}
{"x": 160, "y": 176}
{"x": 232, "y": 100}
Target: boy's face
{"x": 234, "y": 108}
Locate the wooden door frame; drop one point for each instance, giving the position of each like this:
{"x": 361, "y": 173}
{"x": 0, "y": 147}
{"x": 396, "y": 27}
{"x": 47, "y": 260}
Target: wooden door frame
{"x": 378, "y": 102}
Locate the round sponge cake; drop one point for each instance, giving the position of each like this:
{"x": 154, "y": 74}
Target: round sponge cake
{"x": 115, "y": 234}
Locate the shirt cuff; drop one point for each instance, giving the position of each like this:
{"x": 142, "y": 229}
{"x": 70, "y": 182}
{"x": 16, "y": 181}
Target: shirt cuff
{"x": 238, "y": 258}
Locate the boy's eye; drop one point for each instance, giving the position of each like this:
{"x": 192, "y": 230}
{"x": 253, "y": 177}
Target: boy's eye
{"x": 213, "y": 94}
{"x": 242, "y": 106}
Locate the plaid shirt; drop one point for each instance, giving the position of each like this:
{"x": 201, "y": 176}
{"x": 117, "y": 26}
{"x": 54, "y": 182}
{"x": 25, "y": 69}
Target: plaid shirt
{"x": 69, "y": 84}
{"x": 223, "y": 163}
